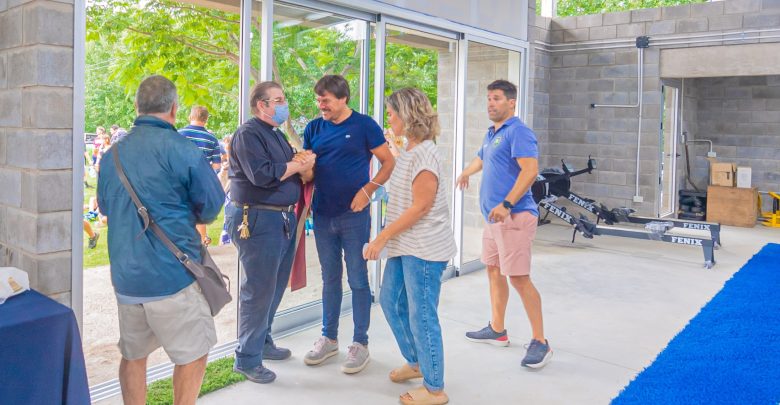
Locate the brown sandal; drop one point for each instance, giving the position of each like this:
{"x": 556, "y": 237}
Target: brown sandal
{"x": 404, "y": 373}
{"x": 421, "y": 396}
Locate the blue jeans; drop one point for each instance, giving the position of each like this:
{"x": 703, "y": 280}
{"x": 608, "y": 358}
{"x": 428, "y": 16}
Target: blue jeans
{"x": 409, "y": 299}
{"x": 266, "y": 258}
{"x": 348, "y": 233}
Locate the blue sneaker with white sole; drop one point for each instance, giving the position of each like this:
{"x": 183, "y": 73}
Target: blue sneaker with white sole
{"x": 537, "y": 355}
{"x": 489, "y": 336}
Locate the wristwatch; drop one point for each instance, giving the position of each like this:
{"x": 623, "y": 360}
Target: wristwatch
{"x": 508, "y": 205}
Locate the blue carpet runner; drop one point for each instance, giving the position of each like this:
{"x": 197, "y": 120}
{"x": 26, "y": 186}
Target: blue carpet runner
{"x": 729, "y": 353}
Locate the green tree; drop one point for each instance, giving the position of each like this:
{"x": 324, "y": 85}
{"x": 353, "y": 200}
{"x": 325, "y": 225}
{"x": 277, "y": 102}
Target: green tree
{"x": 195, "y": 47}
{"x": 567, "y": 8}
{"x": 106, "y": 102}
{"x": 198, "y": 49}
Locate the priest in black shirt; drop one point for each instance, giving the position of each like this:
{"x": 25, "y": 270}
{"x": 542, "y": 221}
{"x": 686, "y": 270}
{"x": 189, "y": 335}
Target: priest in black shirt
{"x": 265, "y": 175}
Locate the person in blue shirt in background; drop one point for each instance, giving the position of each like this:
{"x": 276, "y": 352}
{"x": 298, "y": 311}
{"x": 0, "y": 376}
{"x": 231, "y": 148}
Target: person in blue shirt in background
{"x": 197, "y": 133}
{"x": 159, "y": 302}
{"x": 509, "y": 157}
{"x": 344, "y": 142}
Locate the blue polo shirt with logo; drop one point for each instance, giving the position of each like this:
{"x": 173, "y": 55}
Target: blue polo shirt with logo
{"x": 343, "y": 155}
{"x": 499, "y": 152}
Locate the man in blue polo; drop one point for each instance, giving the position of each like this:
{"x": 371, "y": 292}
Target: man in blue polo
{"x": 509, "y": 156}
{"x": 197, "y": 133}
{"x": 344, "y": 142}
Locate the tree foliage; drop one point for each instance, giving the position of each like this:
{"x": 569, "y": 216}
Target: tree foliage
{"x": 106, "y": 102}
{"x": 568, "y": 8}
{"x": 198, "y": 49}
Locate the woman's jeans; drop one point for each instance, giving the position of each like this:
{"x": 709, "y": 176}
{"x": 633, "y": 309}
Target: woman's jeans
{"x": 410, "y": 298}
{"x": 266, "y": 260}
{"x": 345, "y": 233}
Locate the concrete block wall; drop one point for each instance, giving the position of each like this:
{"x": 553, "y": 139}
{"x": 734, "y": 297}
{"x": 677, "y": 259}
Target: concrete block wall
{"x": 741, "y": 115}
{"x": 578, "y": 75}
{"x": 36, "y": 95}
{"x": 608, "y": 134}
{"x": 539, "y": 91}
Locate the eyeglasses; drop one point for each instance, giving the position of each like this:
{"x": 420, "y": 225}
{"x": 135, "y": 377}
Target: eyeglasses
{"x": 278, "y": 100}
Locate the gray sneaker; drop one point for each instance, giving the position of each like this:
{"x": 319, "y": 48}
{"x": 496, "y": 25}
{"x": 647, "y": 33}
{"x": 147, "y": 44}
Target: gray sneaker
{"x": 538, "y": 354}
{"x": 489, "y": 336}
{"x": 323, "y": 349}
{"x": 357, "y": 358}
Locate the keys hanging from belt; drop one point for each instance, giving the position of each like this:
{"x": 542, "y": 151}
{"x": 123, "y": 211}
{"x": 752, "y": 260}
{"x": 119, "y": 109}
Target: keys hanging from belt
{"x": 286, "y": 224}
{"x": 243, "y": 229}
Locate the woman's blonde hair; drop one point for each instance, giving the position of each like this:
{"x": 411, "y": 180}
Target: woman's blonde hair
{"x": 414, "y": 109}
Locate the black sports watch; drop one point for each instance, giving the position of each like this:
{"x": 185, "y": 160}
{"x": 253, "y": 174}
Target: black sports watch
{"x": 508, "y": 205}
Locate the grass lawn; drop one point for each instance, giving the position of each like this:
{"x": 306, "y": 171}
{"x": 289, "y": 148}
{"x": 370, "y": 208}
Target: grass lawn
{"x": 219, "y": 374}
{"x": 99, "y": 255}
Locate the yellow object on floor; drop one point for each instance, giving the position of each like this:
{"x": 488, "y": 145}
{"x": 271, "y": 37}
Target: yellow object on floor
{"x": 772, "y": 218}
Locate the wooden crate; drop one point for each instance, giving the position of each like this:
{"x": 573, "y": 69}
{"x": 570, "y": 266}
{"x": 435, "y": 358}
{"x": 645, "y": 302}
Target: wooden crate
{"x": 732, "y": 206}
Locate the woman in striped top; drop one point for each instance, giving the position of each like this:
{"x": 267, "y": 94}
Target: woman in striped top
{"x": 419, "y": 243}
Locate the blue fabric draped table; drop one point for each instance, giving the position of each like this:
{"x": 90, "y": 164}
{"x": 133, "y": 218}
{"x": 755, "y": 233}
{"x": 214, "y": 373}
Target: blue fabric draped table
{"x": 41, "y": 361}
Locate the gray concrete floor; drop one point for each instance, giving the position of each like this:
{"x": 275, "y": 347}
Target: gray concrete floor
{"x": 610, "y": 306}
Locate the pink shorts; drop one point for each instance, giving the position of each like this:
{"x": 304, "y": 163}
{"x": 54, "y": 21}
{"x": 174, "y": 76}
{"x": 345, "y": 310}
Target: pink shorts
{"x": 507, "y": 245}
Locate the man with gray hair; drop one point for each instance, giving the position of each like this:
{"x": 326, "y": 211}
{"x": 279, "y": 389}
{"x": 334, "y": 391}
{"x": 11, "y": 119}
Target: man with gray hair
{"x": 160, "y": 304}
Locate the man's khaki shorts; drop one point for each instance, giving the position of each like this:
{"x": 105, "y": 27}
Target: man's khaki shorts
{"x": 182, "y": 324}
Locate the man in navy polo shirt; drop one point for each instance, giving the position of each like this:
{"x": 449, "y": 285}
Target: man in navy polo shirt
{"x": 509, "y": 157}
{"x": 344, "y": 142}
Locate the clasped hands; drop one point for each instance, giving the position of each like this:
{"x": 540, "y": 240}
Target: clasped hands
{"x": 306, "y": 159}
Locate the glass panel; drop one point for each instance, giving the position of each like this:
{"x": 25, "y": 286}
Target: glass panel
{"x": 485, "y": 64}
{"x": 668, "y": 150}
{"x": 428, "y": 62}
{"x": 195, "y": 46}
{"x": 307, "y": 45}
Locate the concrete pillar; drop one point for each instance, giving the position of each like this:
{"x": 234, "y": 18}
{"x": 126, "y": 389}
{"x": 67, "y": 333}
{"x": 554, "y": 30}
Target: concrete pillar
{"x": 36, "y": 130}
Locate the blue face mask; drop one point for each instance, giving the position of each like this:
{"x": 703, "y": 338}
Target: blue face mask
{"x": 281, "y": 114}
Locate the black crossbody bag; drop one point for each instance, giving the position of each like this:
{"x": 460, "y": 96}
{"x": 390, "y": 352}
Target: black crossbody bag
{"x": 214, "y": 285}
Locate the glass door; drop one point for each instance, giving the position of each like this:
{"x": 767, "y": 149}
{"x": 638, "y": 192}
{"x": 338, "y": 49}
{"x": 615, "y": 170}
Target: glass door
{"x": 198, "y": 47}
{"x": 427, "y": 60}
{"x": 668, "y": 148}
{"x": 308, "y": 44}
{"x": 484, "y": 64}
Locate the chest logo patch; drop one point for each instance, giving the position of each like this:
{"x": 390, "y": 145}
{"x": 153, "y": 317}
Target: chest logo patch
{"x": 497, "y": 141}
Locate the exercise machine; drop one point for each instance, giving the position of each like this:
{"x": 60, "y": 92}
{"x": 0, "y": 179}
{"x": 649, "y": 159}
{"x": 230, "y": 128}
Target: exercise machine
{"x": 553, "y": 184}
{"x": 557, "y": 182}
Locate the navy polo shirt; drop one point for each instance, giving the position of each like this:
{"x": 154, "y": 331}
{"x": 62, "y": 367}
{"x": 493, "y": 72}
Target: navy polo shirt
{"x": 499, "y": 153}
{"x": 343, "y": 155}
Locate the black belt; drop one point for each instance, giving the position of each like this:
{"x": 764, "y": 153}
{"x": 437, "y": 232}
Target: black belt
{"x": 280, "y": 208}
